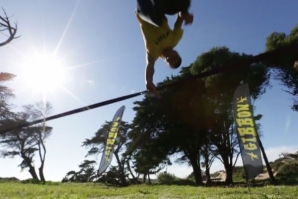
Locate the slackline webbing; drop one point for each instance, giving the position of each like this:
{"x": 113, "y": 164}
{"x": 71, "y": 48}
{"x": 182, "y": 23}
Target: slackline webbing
{"x": 291, "y": 49}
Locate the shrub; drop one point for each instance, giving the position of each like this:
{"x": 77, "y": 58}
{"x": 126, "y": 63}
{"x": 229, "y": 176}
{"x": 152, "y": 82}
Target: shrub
{"x": 288, "y": 169}
{"x": 277, "y": 164}
{"x": 184, "y": 182}
{"x": 31, "y": 181}
{"x": 166, "y": 178}
{"x": 238, "y": 174}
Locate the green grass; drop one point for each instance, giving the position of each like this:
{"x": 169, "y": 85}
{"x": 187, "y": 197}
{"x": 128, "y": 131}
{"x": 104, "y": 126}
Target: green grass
{"x": 91, "y": 191}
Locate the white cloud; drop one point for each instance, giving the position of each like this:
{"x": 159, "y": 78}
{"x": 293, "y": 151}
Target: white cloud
{"x": 273, "y": 152}
{"x": 90, "y": 82}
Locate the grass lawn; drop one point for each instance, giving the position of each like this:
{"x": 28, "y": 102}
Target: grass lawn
{"x": 91, "y": 191}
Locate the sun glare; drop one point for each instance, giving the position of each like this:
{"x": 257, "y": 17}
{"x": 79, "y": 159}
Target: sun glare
{"x": 44, "y": 73}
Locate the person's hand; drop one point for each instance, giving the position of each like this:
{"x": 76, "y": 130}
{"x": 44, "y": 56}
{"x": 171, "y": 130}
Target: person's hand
{"x": 187, "y": 17}
{"x": 152, "y": 90}
{"x": 151, "y": 87}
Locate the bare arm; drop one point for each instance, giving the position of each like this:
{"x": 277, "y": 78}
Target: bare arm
{"x": 179, "y": 21}
{"x": 149, "y": 68}
{"x": 186, "y": 17}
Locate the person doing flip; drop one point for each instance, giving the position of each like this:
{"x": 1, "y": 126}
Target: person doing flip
{"x": 160, "y": 40}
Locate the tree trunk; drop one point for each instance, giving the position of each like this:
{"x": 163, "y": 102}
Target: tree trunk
{"x": 269, "y": 170}
{"x": 228, "y": 167}
{"x": 229, "y": 173}
{"x": 208, "y": 177}
{"x": 130, "y": 171}
{"x": 41, "y": 176}
{"x": 31, "y": 168}
{"x": 149, "y": 179}
{"x": 196, "y": 170}
{"x": 144, "y": 178}
{"x": 121, "y": 169}
{"x": 42, "y": 159}
{"x": 33, "y": 172}
{"x": 207, "y": 166}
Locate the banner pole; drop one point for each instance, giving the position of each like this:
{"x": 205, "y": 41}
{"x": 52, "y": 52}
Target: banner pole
{"x": 248, "y": 187}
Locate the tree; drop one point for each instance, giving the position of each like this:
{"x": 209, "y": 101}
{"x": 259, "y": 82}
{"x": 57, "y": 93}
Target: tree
{"x": 25, "y": 142}
{"x": 111, "y": 177}
{"x": 87, "y": 173}
{"x": 219, "y": 96}
{"x": 6, "y": 27}
{"x": 175, "y": 123}
{"x": 34, "y": 112}
{"x": 208, "y": 153}
{"x": 5, "y": 95}
{"x": 19, "y": 142}
{"x": 147, "y": 158}
{"x": 282, "y": 65}
{"x": 97, "y": 143}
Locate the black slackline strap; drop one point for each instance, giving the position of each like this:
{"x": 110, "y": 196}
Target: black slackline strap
{"x": 291, "y": 49}
{"x": 107, "y": 102}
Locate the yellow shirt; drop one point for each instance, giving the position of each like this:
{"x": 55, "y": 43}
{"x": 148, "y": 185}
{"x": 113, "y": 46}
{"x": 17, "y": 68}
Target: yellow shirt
{"x": 158, "y": 38}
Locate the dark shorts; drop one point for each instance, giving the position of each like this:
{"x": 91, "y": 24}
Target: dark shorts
{"x": 153, "y": 11}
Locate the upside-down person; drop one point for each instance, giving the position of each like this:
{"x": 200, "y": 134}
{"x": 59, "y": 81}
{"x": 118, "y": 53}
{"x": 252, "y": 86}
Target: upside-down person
{"x": 159, "y": 38}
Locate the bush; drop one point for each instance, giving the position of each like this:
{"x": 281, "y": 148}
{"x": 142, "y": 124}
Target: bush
{"x": 184, "y": 182}
{"x": 214, "y": 175}
{"x": 238, "y": 174}
{"x": 288, "y": 169}
{"x": 31, "y": 181}
{"x": 52, "y": 183}
{"x": 166, "y": 178}
{"x": 277, "y": 164}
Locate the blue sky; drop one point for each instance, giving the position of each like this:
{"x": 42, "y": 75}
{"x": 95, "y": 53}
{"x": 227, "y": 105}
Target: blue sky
{"x": 101, "y": 45}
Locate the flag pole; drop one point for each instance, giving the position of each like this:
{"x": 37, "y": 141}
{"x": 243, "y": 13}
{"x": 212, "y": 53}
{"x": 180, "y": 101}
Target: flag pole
{"x": 248, "y": 187}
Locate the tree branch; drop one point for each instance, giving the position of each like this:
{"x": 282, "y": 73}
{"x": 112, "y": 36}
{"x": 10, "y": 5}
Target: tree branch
{"x": 6, "y": 25}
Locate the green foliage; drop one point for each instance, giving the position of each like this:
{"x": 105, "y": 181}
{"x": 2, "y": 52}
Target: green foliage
{"x": 277, "y": 40}
{"x": 166, "y": 178}
{"x": 165, "y": 126}
{"x": 276, "y": 164}
{"x": 112, "y": 177}
{"x": 11, "y": 179}
{"x": 193, "y": 113}
{"x": 289, "y": 169}
{"x": 87, "y": 173}
{"x": 26, "y": 142}
{"x": 284, "y": 63}
{"x": 31, "y": 181}
{"x": 256, "y": 75}
{"x": 97, "y": 143}
{"x": 219, "y": 94}
{"x": 52, "y": 183}
{"x": 91, "y": 190}
{"x": 6, "y": 95}
{"x": 288, "y": 173}
{"x": 184, "y": 182}
{"x": 214, "y": 174}
{"x": 239, "y": 174}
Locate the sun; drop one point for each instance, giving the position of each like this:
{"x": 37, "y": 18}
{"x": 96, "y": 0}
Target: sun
{"x": 44, "y": 73}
